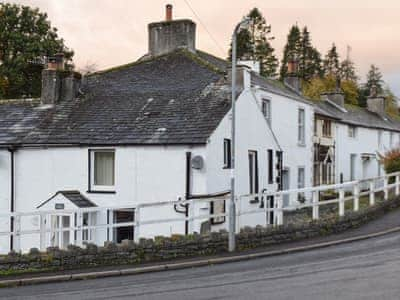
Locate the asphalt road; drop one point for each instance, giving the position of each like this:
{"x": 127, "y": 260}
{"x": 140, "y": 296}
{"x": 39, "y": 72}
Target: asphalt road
{"x": 368, "y": 269}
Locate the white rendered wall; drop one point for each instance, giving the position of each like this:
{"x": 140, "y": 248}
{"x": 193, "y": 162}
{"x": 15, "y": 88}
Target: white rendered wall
{"x": 4, "y": 197}
{"x": 284, "y": 123}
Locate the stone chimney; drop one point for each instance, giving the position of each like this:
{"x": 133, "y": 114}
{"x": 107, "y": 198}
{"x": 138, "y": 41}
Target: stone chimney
{"x": 336, "y": 96}
{"x": 376, "y": 103}
{"x": 170, "y": 35}
{"x": 292, "y": 78}
{"x": 59, "y": 84}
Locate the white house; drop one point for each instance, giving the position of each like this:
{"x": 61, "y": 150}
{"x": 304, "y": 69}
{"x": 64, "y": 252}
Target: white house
{"x": 154, "y": 130}
{"x": 348, "y": 139}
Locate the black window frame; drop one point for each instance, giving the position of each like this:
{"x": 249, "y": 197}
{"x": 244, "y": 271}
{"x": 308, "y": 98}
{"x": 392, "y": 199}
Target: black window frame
{"x": 270, "y": 166}
{"x": 253, "y": 182}
{"x": 227, "y": 154}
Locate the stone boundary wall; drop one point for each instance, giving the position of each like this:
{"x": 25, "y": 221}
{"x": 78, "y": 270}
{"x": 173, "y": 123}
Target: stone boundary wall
{"x": 177, "y": 246}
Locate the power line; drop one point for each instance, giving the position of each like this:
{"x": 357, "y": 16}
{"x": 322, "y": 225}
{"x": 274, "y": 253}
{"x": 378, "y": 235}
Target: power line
{"x": 205, "y": 27}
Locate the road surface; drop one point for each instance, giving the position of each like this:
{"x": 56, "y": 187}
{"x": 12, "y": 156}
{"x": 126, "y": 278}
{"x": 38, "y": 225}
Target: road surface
{"x": 368, "y": 269}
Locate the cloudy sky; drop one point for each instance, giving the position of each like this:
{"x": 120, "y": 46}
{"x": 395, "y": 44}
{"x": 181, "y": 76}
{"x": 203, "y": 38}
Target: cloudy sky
{"x": 113, "y": 32}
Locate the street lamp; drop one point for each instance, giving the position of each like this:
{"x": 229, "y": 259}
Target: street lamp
{"x": 245, "y": 23}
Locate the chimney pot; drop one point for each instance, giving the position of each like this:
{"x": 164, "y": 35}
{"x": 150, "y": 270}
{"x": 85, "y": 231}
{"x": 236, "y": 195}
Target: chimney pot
{"x": 168, "y": 12}
{"x": 292, "y": 66}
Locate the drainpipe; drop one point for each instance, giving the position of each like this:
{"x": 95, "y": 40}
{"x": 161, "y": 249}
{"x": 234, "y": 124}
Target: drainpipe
{"x": 188, "y": 191}
{"x": 12, "y": 193}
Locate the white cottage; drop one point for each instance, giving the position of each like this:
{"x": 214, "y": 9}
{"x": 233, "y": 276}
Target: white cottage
{"x": 154, "y": 130}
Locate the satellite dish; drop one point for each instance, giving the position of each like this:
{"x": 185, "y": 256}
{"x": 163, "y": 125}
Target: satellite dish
{"x": 197, "y": 162}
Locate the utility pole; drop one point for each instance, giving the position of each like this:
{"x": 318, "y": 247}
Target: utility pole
{"x": 232, "y": 205}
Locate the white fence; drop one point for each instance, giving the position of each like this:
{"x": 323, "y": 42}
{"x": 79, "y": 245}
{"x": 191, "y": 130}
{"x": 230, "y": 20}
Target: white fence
{"x": 267, "y": 207}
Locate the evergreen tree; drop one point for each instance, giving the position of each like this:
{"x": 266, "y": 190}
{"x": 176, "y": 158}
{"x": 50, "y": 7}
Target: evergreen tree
{"x": 254, "y": 44}
{"x": 348, "y": 70}
{"x": 374, "y": 77}
{"x": 309, "y": 58}
{"x": 26, "y": 37}
{"x": 331, "y": 62}
{"x": 292, "y": 49}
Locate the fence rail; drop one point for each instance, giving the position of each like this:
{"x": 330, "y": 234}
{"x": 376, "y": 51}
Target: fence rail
{"x": 269, "y": 206}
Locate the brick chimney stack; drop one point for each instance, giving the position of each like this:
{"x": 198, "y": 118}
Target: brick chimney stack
{"x": 170, "y": 35}
{"x": 59, "y": 84}
{"x": 292, "y": 78}
{"x": 168, "y": 12}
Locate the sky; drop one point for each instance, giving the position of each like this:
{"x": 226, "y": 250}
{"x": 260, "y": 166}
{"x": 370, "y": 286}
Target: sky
{"x": 113, "y": 32}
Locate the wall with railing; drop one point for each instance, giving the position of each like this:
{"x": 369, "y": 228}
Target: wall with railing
{"x": 41, "y": 229}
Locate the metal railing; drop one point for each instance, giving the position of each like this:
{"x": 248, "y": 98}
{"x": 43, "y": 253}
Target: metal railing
{"x": 267, "y": 206}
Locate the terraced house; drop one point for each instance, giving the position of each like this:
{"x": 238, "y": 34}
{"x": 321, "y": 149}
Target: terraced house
{"x": 159, "y": 129}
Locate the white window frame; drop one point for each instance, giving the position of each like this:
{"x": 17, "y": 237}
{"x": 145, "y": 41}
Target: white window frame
{"x": 380, "y": 134}
{"x": 93, "y": 186}
{"x": 266, "y": 109}
{"x": 352, "y": 131}
{"x": 253, "y": 172}
{"x": 301, "y": 126}
{"x": 391, "y": 138}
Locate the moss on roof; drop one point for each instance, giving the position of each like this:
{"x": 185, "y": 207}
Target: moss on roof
{"x": 185, "y": 52}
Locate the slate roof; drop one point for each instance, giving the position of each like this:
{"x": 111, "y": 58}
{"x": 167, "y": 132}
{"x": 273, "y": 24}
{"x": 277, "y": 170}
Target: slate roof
{"x": 75, "y": 197}
{"x": 357, "y": 116}
{"x": 172, "y": 99}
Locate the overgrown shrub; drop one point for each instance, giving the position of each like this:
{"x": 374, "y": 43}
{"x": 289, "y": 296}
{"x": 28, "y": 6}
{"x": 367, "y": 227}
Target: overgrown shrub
{"x": 391, "y": 160}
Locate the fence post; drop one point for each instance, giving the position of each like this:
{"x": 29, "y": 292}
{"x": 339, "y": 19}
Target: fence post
{"x": 17, "y": 234}
{"x": 42, "y": 232}
{"x": 397, "y": 188}
{"x": 192, "y": 215}
{"x": 79, "y": 231}
{"x": 356, "y": 196}
{"x": 371, "y": 193}
{"x": 341, "y": 202}
{"x": 137, "y": 225}
{"x": 385, "y": 189}
{"x": 279, "y": 216}
{"x": 315, "y": 208}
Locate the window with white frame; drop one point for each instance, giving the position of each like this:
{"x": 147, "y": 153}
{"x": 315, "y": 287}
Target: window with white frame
{"x": 379, "y": 138}
{"x": 391, "y": 139}
{"x": 352, "y": 131}
{"x": 301, "y": 127}
{"x": 301, "y": 183}
{"x": 102, "y": 170}
{"x": 266, "y": 109}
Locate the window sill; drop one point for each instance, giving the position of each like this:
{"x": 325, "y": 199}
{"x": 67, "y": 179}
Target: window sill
{"x": 227, "y": 168}
{"x": 100, "y": 192}
{"x": 301, "y": 144}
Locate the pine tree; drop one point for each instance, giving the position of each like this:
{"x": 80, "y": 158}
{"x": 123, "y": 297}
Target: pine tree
{"x": 254, "y": 44}
{"x": 292, "y": 49}
{"x": 374, "y": 78}
{"x": 348, "y": 70}
{"x": 331, "y": 62}
{"x": 309, "y": 58}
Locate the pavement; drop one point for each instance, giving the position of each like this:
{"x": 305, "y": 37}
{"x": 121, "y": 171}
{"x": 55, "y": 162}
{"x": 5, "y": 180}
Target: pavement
{"x": 388, "y": 225}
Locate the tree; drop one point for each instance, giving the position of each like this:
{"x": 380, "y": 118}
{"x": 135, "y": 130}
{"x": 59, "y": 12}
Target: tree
{"x": 374, "y": 78}
{"x": 309, "y": 58}
{"x": 254, "y": 44}
{"x": 88, "y": 68}
{"x": 26, "y": 38}
{"x": 292, "y": 49}
{"x": 318, "y": 85}
{"x": 331, "y": 62}
{"x": 348, "y": 70}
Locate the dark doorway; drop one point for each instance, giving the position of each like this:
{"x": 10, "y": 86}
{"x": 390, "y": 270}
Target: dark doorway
{"x": 124, "y": 232}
